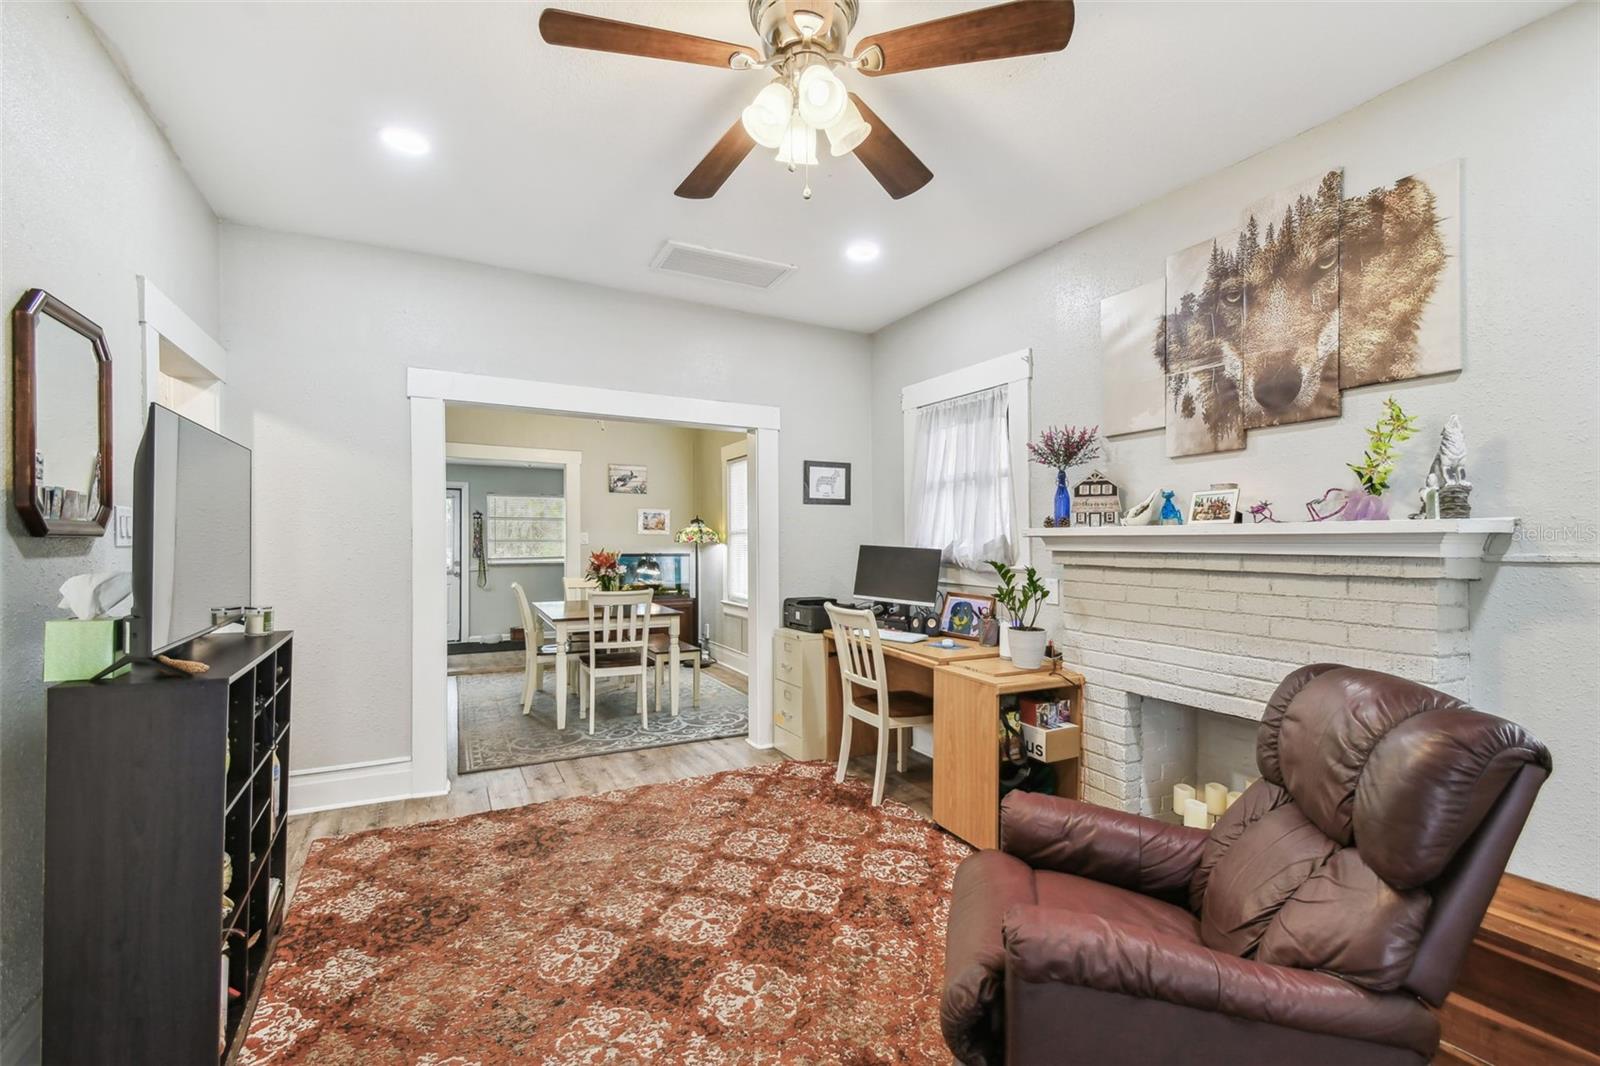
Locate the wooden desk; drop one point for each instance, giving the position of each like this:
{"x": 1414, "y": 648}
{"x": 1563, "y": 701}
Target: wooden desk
{"x": 966, "y": 683}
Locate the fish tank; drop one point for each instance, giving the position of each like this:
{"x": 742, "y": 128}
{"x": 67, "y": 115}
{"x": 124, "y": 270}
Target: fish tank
{"x": 668, "y": 573}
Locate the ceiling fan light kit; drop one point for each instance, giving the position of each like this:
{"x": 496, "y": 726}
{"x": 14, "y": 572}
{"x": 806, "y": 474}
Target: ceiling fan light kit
{"x": 802, "y": 42}
{"x": 767, "y": 117}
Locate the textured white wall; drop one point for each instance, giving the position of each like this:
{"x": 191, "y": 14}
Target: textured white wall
{"x": 91, "y": 196}
{"x": 1521, "y": 115}
{"x": 320, "y": 334}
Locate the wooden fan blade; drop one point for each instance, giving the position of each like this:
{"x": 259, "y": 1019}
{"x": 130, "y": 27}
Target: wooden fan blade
{"x": 572, "y": 30}
{"x": 725, "y": 156}
{"x": 887, "y": 158}
{"x": 1024, "y": 28}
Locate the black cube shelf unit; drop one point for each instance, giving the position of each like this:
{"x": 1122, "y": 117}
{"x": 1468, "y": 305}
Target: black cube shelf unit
{"x": 153, "y": 785}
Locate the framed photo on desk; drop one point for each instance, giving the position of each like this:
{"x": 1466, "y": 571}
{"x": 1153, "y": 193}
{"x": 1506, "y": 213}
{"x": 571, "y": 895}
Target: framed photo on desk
{"x": 963, "y": 614}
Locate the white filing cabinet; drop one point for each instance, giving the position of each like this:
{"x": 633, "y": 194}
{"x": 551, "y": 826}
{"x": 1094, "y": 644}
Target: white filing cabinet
{"x": 799, "y": 694}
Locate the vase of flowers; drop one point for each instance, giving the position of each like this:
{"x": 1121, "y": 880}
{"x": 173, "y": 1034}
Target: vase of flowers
{"x": 605, "y": 570}
{"x": 1063, "y": 448}
{"x": 1377, "y": 464}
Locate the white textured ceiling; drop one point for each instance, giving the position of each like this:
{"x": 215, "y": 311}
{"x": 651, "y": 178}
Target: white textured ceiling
{"x": 563, "y": 162}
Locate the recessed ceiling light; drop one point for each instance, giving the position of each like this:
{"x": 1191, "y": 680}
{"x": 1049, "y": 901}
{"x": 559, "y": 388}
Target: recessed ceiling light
{"x": 406, "y": 142}
{"x": 862, "y": 251}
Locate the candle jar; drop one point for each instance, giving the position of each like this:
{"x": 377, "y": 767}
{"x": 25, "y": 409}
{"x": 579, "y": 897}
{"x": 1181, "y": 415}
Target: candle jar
{"x": 253, "y": 622}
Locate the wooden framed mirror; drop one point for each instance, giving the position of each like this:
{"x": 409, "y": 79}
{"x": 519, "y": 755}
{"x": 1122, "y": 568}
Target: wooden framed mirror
{"x": 60, "y": 419}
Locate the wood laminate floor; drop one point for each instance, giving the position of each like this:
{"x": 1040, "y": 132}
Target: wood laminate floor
{"x": 499, "y": 789}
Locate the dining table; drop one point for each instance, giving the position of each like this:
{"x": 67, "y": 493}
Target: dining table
{"x": 571, "y": 618}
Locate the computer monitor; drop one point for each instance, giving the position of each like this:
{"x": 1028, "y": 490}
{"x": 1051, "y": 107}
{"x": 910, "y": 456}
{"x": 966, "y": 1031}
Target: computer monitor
{"x": 895, "y": 574}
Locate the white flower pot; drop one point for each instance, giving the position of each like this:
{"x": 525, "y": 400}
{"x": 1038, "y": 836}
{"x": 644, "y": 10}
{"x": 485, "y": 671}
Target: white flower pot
{"x": 1027, "y": 647}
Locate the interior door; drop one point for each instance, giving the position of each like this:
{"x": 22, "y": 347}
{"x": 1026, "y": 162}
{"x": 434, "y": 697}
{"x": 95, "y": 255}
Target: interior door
{"x": 454, "y": 500}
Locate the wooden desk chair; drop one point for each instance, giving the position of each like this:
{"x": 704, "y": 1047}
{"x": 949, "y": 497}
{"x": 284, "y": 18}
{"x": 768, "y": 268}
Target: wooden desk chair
{"x": 619, "y": 644}
{"x": 661, "y": 659}
{"x": 537, "y": 654}
{"x": 866, "y": 693}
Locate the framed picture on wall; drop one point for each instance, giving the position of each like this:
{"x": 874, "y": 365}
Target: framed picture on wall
{"x": 627, "y": 477}
{"x": 655, "y": 520}
{"x": 827, "y": 482}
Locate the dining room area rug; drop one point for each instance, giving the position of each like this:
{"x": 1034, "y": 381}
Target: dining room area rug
{"x": 758, "y": 915}
{"x": 493, "y": 733}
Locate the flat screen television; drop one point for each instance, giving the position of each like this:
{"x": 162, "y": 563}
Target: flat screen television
{"x": 191, "y": 531}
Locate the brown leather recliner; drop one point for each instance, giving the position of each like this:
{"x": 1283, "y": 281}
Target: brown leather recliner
{"x": 1311, "y": 925}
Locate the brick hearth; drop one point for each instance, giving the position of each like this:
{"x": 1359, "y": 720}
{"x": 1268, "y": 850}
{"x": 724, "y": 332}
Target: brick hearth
{"x": 1217, "y": 629}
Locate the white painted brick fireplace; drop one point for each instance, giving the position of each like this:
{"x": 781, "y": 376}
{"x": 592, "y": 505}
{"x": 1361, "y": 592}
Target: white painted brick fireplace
{"x": 1161, "y": 620}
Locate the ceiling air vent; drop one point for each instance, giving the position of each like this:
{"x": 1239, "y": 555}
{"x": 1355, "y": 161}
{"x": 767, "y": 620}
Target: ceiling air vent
{"x": 676, "y": 257}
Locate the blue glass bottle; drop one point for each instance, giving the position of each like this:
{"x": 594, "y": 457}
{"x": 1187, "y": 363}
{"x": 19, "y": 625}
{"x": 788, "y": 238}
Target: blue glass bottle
{"x": 1170, "y": 515}
{"x": 1063, "y": 510}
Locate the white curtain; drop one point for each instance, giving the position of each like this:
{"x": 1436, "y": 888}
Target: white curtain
{"x": 961, "y": 480}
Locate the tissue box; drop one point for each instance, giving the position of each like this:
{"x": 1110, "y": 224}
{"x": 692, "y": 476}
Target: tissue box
{"x": 76, "y": 650}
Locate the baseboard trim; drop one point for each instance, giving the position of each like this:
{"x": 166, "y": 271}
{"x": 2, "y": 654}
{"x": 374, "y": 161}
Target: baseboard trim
{"x": 732, "y": 658}
{"x": 327, "y": 788}
{"x": 21, "y": 1046}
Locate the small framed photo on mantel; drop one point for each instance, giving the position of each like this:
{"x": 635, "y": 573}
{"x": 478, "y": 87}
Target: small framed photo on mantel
{"x": 827, "y": 482}
{"x": 1213, "y": 505}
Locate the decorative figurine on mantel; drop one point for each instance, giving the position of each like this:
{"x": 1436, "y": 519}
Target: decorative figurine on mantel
{"x": 1170, "y": 515}
{"x": 1261, "y": 511}
{"x": 1143, "y": 513}
{"x": 1096, "y": 502}
{"x": 1449, "y": 471}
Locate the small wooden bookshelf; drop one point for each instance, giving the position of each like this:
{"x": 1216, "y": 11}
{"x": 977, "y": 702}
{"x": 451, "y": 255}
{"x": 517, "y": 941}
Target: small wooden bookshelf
{"x": 153, "y": 784}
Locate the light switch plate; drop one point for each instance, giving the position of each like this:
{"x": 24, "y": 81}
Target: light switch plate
{"x": 583, "y": 538}
{"x": 122, "y": 527}
{"x": 1052, "y": 594}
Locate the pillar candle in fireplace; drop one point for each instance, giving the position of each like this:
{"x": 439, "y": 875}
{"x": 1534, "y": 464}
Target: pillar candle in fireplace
{"x": 1216, "y": 797}
{"x": 1181, "y": 795}
{"x": 1195, "y": 814}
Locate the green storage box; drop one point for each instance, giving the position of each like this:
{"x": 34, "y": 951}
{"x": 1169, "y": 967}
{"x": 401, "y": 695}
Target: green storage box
{"x": 77, "y": 650}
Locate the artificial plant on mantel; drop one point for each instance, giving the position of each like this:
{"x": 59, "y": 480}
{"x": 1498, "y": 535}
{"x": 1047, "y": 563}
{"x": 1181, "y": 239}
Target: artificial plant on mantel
{"x": 1064, "y": 447}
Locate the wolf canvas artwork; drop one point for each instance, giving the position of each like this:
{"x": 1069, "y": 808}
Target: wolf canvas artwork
{"x": 1312, "y": 294}
{"x": 1400, "y": 279}
{"x": 1251, "y": 330}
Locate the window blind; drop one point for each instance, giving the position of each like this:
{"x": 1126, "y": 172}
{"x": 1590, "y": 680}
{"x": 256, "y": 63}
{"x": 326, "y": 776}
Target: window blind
{"x": 525, "y": 529}
{"x": 738, "y": 499}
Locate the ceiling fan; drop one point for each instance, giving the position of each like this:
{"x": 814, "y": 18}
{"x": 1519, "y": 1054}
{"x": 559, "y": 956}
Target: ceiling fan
{"x": 802, "y": 41}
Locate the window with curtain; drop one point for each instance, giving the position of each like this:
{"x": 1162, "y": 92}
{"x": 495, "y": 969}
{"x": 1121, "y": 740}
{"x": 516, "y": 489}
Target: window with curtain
{"x": 525, "y": 529}
{"x": 738, "y": 540}
{"x": 961, "y": 480}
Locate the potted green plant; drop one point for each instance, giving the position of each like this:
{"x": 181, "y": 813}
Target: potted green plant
{"x": 1378, "y": 462}
{"x": 1022, "y": 602}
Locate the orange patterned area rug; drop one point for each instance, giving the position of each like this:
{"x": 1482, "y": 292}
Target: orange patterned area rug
{"x": 763, "y": 915}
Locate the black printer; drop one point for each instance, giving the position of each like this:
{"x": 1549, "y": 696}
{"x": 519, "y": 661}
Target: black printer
{"x": 807, "y": 613}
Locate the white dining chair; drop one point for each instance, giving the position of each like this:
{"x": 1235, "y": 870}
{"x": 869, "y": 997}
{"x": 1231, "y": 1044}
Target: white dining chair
{"x": 867, "y": 698}
{"x": 536, "y": 653}
{"x": 619, "y": 645}
{"x": 578, "y": 588}
{"x": 661, "y": 661}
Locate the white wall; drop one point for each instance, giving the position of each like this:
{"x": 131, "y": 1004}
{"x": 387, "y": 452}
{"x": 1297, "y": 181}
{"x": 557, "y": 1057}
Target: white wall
{"x": 90, "y": 197}
{"x": 319, "y": 335}
{"x": 1521, "y": 114}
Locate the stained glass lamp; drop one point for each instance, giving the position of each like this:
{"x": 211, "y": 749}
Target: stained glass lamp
{"x": 698, "y": 533}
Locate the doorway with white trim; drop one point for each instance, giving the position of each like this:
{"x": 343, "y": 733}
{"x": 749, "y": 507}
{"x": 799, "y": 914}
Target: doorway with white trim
{"x": 734, "y": 614}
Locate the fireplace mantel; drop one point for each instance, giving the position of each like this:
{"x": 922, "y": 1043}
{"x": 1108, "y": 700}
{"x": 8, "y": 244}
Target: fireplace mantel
{"x": 1461, "y": 543}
